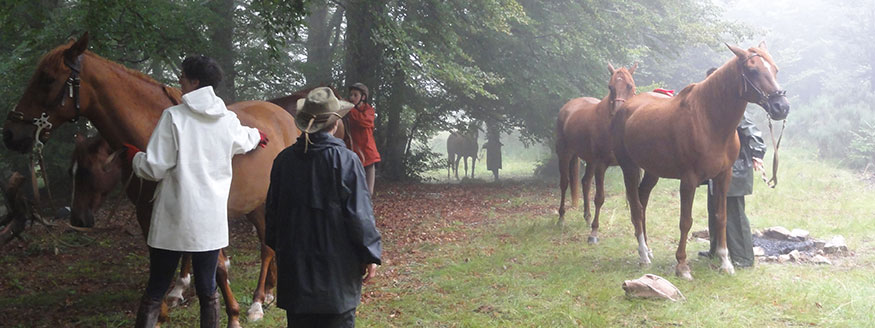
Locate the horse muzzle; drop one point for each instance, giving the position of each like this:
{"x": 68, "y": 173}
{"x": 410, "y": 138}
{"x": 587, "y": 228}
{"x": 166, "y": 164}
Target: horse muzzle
{"x": 778, "y": 107}
{"x": 20, "y": 142}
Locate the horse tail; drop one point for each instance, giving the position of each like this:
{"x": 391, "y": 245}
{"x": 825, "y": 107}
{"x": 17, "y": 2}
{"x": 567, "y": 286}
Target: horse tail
{"x": 574, "y": 177}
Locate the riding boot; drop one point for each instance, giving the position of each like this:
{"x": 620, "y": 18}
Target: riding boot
{"x": 210, "y": 311}
{"x": 148, "y": 312}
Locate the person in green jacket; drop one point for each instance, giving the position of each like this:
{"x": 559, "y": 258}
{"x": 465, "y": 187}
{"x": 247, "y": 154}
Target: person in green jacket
{"x": 739, "y": 240}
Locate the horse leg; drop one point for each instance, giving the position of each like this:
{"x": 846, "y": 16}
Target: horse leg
{"x": 456, "y": 166}
{"x": 256, "y": 311}
{"x": 721, "y": 188}
{"x": 564, "y": 168}
{"x": 473, "y": 163}
{"x": 449, "y": 164}
{"x": 586, "y": 187}
{"x": 631, "y": 178}
{"x": 465, "y": 159}
{"x": 688, "y": 192}
{"x": 599, "y": 169}
{"x": 644, "y": 188}
{"x": 232, "y": 308}
{"x": 175, "y": 297}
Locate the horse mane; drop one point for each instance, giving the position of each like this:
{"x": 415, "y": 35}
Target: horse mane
{"x": 57, "y": 56}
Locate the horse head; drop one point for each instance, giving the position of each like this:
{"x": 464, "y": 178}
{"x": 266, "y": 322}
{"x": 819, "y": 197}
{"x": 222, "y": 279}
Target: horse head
{"x": 51, "y": 98}
{"x": 621, "y": 85}
{"x": 96, "y": 169}
{"x": 760, "y": 83}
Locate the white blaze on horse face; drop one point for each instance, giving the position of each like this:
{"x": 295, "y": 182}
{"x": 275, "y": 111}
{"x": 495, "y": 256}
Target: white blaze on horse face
{"x": 771, "y": 73}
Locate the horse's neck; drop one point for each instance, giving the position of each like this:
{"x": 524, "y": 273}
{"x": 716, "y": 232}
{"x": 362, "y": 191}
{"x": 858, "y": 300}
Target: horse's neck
{"x": 125, "y": 108}
{"x": 718, "y": 99}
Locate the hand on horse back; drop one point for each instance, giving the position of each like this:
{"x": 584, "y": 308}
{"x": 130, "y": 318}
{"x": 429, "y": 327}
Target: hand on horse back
{"x": 124, "y": 105}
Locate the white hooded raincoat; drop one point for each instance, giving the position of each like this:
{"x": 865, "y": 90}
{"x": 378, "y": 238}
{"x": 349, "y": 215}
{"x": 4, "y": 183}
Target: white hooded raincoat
{"x": 189, "y": 154}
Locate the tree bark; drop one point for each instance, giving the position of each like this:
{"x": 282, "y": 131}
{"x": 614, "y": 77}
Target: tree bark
{"x": 394, "y": 139}
{"x": 362, "y": 60}
{"x": 318, "y": 67}
{"x": 222, "y": 37}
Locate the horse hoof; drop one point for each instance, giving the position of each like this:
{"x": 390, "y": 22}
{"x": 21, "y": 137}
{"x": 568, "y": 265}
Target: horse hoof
{"x": 269, "y": 298}
{"x": 592, "y": 240}
{"x": 561, "y": 221}
{"x": 173, "y": 301}
{"x": 730, "y": 270}
{"x": 683, "y": 272}
{"x": 256, "y": 312}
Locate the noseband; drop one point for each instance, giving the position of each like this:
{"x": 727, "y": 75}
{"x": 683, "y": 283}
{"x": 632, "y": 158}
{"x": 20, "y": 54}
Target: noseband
{"x": 764, "y": 97}
{"x": 43, "y": 126}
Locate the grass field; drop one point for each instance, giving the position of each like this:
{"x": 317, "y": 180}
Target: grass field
{"x": 483, "y": 254}
{"x": 521, "y": 270}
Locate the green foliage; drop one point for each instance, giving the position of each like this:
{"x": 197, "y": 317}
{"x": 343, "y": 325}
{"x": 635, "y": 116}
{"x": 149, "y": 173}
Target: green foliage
{"x": 862, "y": 147}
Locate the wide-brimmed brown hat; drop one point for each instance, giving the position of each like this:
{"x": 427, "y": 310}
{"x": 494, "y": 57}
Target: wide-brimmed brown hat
{"x": 319, "y": 109}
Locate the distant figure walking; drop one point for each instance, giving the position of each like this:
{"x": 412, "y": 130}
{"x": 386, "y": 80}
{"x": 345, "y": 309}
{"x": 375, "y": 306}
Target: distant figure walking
{"x": 493, "y": 151}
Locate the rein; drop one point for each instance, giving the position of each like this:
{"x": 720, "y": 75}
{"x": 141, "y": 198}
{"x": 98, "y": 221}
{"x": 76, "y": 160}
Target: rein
{"x": 764, "y": 103}
{"x": 774, "y": 180}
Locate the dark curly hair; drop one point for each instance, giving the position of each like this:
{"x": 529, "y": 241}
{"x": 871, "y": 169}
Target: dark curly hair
{"x": 202, "y": 68}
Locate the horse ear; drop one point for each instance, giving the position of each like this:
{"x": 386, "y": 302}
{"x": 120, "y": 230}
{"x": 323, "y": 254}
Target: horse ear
{"x": 634, "y": 66}
{"x": 78, "y": 47}
{"x": 107, "y": 164}
{"x": 763, "y": 45}
{"x": 611, "y": 69}
{"x": 740, "y": 53}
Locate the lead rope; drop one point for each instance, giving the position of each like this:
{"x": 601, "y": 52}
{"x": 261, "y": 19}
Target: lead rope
{"x": 774, "y": 180}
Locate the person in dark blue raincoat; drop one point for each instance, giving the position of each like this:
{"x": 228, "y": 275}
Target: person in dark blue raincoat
{"x": 320, "y": 220}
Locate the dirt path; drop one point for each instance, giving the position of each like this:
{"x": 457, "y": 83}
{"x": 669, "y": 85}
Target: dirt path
{"x": 61, "y": 278}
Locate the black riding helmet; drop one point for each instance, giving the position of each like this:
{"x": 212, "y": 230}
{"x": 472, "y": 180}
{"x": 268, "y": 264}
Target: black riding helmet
{"x": 361, "y": 87}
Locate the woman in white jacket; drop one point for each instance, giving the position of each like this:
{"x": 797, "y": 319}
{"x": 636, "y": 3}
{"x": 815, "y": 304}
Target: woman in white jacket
{"x": 190, "y": 153}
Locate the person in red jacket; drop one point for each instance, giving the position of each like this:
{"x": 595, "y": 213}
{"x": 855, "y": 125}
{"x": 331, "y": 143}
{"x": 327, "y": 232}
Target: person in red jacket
{"x": 361, "y": 131}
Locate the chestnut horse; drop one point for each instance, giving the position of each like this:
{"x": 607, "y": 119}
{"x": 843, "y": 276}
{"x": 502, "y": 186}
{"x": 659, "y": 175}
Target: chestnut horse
{"x": 125, "y": 106}
{"x": 460, "y": 146}
{"x": 583, "y": 132}
{"x": 692, "y": 137}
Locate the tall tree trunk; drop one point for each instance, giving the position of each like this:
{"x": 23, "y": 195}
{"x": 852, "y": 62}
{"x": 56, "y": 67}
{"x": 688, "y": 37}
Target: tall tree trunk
{"x": 394, "y": 138}
{"x": 318, "y": 67}
{"x": 222, "y": 36}
{"x": 362, "y": 60}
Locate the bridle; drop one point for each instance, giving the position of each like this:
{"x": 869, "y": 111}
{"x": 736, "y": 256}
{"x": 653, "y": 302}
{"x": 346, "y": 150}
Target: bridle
{"x": 764, "y": 97}
{"x": 43, "y": 126}
{"x": 764, "y": 103}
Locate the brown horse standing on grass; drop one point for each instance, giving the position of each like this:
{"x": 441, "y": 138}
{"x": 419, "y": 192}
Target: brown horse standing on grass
{"x": 462, "y": 145}
{"x": 692, "y": 137}
{"x": 583, "y": 132}
{"x": 125, "y": 106}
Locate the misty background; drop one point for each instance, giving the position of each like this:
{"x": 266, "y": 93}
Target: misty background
{"x": 434, "y": 66}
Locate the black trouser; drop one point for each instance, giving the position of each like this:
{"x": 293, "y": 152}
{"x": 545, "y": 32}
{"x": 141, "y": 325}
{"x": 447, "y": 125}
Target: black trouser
{"x": 162, "y": 266}
{"x": 308, "y": 320}
{"x": 739, "y": 240}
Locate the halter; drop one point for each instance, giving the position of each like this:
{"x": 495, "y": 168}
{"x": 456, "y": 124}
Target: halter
{"x": 764, "y": 97}
{"x": 43, "y": 126}
{"x": 763, "y": 102}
